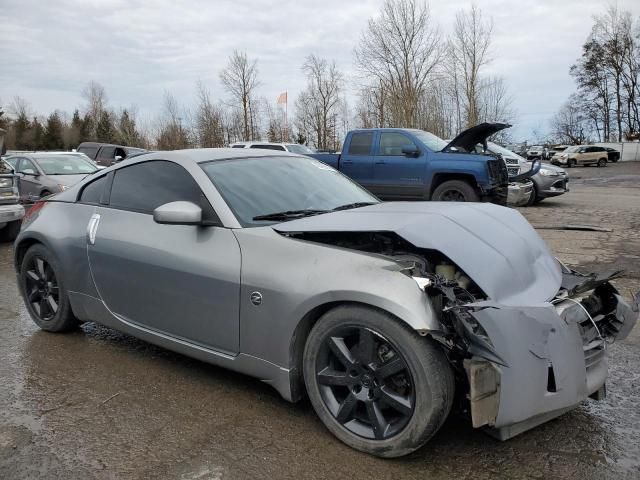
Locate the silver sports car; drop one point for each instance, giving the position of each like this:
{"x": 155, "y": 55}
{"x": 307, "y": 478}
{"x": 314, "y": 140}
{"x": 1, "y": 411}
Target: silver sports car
{"x": 278, "y": 266}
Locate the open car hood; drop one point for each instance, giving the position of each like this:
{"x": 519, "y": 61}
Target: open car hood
{"x": 494, "y": 245}
{"x": 467, "y": 140}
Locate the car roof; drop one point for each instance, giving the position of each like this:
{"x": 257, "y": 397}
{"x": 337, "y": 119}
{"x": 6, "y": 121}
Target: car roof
{"x": 201, "y": 155}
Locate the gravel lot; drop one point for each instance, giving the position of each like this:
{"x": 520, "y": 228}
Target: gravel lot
{"x": 99, "y": 404}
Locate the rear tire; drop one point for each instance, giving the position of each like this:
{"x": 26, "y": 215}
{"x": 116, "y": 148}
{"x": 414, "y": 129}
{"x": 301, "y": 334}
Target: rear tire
{"x": 455, "y": 191}
{"x": 602, "y": 162}
{"x": 388, "y": 402}
{"x": 44, "y": 292}
{"x": 10, "y": 231}
{"x": 571, "y": 163}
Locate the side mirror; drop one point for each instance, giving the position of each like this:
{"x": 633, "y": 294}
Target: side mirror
{"x": 410, "y": 151}
{"x": 178, "y": 213}
{"x": 118, "y": 158}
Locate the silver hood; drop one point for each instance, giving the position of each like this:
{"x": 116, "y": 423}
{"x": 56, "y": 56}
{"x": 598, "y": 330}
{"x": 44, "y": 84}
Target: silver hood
{"x": 494, "y": 245}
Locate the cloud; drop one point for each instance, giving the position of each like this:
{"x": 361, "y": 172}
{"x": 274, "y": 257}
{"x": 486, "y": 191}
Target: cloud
{"x": 138, "y": 49}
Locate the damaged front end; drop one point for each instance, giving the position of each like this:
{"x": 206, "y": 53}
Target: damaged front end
{"x": 526, "y": 365}
{"x": 526, "y": 336}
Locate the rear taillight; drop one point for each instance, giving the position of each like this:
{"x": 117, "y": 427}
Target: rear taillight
{"x": 35, "y": 208}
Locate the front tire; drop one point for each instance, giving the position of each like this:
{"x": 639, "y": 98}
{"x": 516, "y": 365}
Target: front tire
{"x": 455, "y": 191}
{"x": 43, "y": 291}
{"x": 602, "y": 162}
{"x": 375, "y": 384}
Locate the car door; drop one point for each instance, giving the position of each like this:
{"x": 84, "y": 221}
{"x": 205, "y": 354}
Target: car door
{"x": 178, "y": 280}
{"x": 356, "y": 159}
{"x": 28, "y": 180}
{"x": 397, "y": 175}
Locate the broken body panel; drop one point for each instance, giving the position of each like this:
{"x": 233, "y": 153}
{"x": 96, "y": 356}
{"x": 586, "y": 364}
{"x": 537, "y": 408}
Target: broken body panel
{"x": 502, "y": 316}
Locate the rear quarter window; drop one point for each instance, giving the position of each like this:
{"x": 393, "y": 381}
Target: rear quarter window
{"x": 92, "y": 192}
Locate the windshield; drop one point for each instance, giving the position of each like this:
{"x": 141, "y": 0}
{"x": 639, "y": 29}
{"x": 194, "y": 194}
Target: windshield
{"x": 65, "y": 165}
{"x": 260, "y": 186}
{"x": 495, "y": 148}
{"x": 301, "y": 149}
{"x": 431, "y": 141}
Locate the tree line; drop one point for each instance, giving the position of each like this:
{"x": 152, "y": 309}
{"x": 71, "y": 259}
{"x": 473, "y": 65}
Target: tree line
{"x": 409, "y": 74}
{"x": 606, "y": 104}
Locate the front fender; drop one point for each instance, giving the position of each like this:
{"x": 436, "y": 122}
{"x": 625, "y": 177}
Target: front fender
{"x": 311, "y": 275}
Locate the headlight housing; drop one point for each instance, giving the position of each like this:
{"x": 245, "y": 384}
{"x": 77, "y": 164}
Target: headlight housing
{"x": 6, "y": 182}
{"x": 63, "y": 187}
{"x": 548, "y": 173}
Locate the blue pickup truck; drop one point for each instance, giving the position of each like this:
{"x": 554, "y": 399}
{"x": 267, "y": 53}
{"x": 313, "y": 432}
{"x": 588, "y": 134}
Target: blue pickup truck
{"x": 410, "y": 164}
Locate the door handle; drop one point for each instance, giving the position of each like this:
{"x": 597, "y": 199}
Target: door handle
{"x": 347, "y": 162}
{"x": 92, "y": 228}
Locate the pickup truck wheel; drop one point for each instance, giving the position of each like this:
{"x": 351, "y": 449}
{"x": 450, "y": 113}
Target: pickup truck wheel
{"x": 10, "y": 231}
{"x": 455, "y": 191}
{"x": 602, "y": 162}
{"x": 375, "y": 384}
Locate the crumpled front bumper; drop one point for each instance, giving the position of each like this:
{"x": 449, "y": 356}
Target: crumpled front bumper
{"x": 519, "y": 193}
{"x": 531, "y": 364}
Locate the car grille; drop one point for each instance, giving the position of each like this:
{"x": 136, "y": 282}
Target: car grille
{"x": 513, "y": 171}
{"x": 592, "y": 344}
{"x": 511, "y": 161}
{"x": 498, "y": 171}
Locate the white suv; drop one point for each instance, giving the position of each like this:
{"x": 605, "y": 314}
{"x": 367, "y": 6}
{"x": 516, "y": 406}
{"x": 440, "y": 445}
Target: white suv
{"x": 283, "y": 147}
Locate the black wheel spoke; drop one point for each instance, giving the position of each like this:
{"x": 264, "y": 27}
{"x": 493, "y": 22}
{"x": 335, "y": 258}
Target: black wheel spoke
{"x": 34, "y": 295}
{"x": 40, "y": 269}
{"x": 341, "y": 351}
{"x": 396, "y": 401}
{"x": 32, "y": 275}
{"x": 52, "y": 304}
{"x": 377, "y": 420}
{"x": 367, "y": 347}
{"x": 347, "y": 408}
{"x": 392, "y": 367}
{"x": 329, "y": 376}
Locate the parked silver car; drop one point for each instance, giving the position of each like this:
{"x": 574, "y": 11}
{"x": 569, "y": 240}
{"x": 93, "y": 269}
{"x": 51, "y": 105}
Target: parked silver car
{"x": 549, "y": 181}
{"x": 41, "y": 174}
{"x": 278, "y": 266}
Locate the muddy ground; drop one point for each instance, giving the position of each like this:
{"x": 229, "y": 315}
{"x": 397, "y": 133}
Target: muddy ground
{"x": 99, "y": 404}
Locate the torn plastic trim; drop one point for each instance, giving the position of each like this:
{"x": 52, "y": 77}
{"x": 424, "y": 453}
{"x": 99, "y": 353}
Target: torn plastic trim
{"x": 484, "y": 391}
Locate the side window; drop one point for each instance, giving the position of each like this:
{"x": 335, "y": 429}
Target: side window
{"x": 107, "y": 152}
{"x": 361, "y": 144}
{"x": 391, "y": 143}
{"x": 237, "y": 146}
{"x": 27, "y": 166}
{"x": 92, "y": 192}
{"x": 89, "y": 151}
{"x": 145, "y": 186}
{"x": 269, "y": 147}
{"x": 13, "y": 161}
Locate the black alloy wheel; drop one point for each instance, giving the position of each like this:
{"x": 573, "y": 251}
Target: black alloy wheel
{"x": 41, "y": 288}
{"x": 365, "y": 383}
{"x": 602, "y": 163}
{"x": 43, "y": 291}
{"x": 452, "y": 196}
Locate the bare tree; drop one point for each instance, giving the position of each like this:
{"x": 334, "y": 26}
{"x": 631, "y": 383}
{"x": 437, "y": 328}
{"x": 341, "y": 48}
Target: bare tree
{"x": 570, "y": 125}
{"x": 495, "y": 104}
{"x": 208, "y": 122}
{"x": 240, "y": 78}
{"x": 469, "y": 48}
{"x": 96, "y": 104}
{"x": 400, "y": 51}
{"x": 319, "y": 104}
{"x": 171, "y": 135}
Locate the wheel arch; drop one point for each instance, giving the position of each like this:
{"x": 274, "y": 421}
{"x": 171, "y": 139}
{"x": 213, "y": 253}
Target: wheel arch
{"x": 23, "y": 244}
{"x": 440, "y": 178}
{"x": 303, "y": 328}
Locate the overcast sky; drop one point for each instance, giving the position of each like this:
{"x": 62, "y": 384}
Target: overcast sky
{"x": 49, "y": 50}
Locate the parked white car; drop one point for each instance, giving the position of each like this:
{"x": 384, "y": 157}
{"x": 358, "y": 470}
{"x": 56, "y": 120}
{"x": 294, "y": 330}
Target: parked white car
{"x": 283, "y": 147}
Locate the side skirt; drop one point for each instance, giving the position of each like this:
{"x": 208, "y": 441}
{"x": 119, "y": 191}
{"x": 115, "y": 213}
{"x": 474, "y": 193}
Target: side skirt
{"x": 88, "y": 308}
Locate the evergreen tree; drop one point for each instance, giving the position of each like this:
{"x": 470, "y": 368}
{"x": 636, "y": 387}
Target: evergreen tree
{"x": 36, "y": 135}
{"x": 105, "y": 130}
{"x": 53, "y": 139}
{"x": 21, "y": 127}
